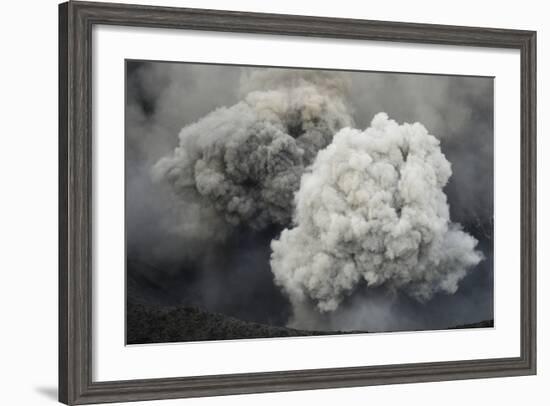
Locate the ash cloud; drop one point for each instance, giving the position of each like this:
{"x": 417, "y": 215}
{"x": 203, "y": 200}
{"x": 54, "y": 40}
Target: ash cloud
{"x": 372, "y": 208}
{"x": 179, "y": 250}
{"x": 245, "y": 161}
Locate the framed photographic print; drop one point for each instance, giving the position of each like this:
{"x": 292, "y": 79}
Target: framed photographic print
{"x": 256, "y": 202}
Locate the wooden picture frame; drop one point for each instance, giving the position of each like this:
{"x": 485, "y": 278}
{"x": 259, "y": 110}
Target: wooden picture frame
{"x": 76, "y": 20}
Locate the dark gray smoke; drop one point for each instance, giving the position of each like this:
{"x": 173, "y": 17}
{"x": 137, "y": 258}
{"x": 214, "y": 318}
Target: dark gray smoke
{"x": 178, "y": 252}
{"x": 246, "y": 161}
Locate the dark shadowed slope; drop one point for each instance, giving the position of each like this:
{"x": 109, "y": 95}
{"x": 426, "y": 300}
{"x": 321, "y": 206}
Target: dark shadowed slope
{"x": 154, "y": 324}
{"x": 481, "y": 324}
{"x": 148, "y": 324}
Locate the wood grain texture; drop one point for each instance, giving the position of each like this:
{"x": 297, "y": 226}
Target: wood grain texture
{"x": 63, "y": 110}
{"x": 76, "y": 20}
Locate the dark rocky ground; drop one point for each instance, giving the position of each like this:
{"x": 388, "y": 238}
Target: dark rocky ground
{"x": 154, "y": 324}
{"x": 481, "y": 324}
{"x": 148, "y": 324}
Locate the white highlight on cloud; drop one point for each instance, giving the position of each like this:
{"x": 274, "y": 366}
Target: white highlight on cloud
{"x": 371, "y": 209}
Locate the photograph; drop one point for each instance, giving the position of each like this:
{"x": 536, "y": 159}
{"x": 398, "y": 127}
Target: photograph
{"x": 269, "y": 202}
{"x": 254, "y": 201}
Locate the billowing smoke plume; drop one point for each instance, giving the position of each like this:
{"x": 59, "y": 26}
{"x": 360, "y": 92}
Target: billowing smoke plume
{"x": 372, "y": 209}
{"x": 246, "y": 161}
